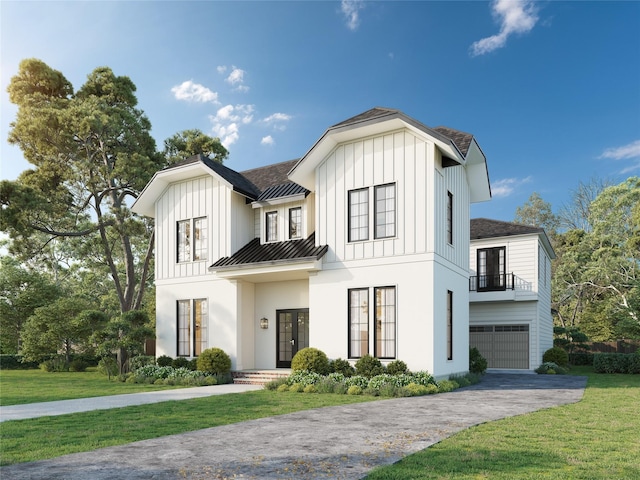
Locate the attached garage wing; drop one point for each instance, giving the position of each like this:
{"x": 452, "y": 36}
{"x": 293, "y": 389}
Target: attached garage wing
{"x": 504, "y": 346}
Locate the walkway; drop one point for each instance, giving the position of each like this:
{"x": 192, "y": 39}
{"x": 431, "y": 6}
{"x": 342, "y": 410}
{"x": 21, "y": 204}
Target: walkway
{"x": 342, "y": 442}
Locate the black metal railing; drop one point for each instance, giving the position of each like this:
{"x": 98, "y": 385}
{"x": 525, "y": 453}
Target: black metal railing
{"x": 492, "y": 283}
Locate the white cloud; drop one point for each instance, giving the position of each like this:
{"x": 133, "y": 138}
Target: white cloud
{"x": 227, "y": 122}
{"x": 507, "y": 186}
{"x": 277, "y": 120}
{"x": 515, "y": 16}
{"x": 351, "y": 11}
{"x": 268, "y": 140}
{"x": 221, "y": 69}
{"x": 626, "y": 152}
{"x": 194, "y": 92}
{"x": 235, "y": 78}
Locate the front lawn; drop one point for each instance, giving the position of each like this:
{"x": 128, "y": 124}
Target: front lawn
{"x": 30, "y": 386}
{"x": 596, "y": 438}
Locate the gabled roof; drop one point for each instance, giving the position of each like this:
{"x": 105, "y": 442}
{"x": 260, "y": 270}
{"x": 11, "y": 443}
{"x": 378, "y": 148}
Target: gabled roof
{"x": 269, "y": 175}
{"x": 457, "y": 148}
{"x": 254, "y": 254}
{"x": 481, "y": 228}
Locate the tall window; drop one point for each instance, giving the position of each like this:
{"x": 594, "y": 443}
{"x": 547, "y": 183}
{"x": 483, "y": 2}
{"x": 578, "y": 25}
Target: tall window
{"x": 271, "y": 227}
{"x": 184, "y": 241}
{"x": 449, "y": 325}
{"x": 385, "y": 211}
{"x": 192, "y": 239}
{"x": 359, "y": 215}
{"x": 450, "y": 218}
{"x": 192, "y": 319}
{"x": 295, "y": 223}
{"x": 385, "y": 318}
{"x": 358, "y": 322}
{"x": 491, "y": 269}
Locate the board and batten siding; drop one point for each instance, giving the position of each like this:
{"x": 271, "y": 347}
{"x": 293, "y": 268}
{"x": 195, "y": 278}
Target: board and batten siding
{"x": 199, "y": 197}
{"x": 545, "y": 320}
{"x": 413, "y": 164}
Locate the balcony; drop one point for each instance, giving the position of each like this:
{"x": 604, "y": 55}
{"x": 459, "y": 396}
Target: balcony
{"x": 492, "y": 288}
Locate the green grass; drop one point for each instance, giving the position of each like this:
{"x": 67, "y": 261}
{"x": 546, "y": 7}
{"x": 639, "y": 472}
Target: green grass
{"x": 596, "y": 438}
{"x": 48, "y": 437}
{"x": 30, "y": 386}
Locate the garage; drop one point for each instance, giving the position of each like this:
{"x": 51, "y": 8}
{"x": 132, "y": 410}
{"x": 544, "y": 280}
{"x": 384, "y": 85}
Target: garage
{"x": 504, "y": 346}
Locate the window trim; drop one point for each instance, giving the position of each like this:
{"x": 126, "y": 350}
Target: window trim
{"x": 291, "y": 211}
{"x": 501, "y": 284}
{"x": 180, "y": 241}
{"x": 200, "y": 240}
{"x": 349, "y": 322}
{"x": 350, "y": 217}
{"x": 193, "y": 348}
{"x": 376, "y": 188}
{"x": 180, "y": 326}
{"x": 191, "y": 252}
{"x": 377, "y": 319}
{"x": 449, "y": 325}
{"x": 450, "y": 218}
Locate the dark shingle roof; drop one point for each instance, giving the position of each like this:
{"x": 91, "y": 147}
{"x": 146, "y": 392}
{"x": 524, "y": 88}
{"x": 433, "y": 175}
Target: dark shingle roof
{"x": 280, "y": 191}
{"x": 254, "y": 254}
{"x": 270, "y": 175}
{"x": 486, "y": 228}
{"x": 461, "y": 139}
{"x": 368, "y": 115}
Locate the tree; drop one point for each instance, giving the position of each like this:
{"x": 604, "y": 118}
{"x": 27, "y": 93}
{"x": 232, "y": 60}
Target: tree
{"x": 22, "y": 291}
{"x": 575, "y": 215}
{"x": 127, "y": 333}
{"x": 60, "y": 327}
{"x": 193, "y": 142}
{"x": 537, "y": 213}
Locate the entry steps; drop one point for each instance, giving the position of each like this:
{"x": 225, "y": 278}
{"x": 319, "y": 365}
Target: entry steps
{"x": 258, "y": 377}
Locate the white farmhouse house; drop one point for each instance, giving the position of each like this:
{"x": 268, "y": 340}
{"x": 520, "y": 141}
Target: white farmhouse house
{"x": 361, "y": 246}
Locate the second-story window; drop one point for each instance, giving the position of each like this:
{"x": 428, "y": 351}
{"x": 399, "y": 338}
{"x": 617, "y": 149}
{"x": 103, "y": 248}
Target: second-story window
{"x": 271, "y": 226}
{"x": 450, "y": 218}
{"x": 192, "y": 240}
{"x": 295, "y": 223}
{"x": 385, "y": 211}
{"x": 491, "y": 269}
{"x": 359, "y": 215}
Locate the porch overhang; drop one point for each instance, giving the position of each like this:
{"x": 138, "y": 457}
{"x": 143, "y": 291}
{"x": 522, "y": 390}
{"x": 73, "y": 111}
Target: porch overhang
{"x": 274, "y": 271}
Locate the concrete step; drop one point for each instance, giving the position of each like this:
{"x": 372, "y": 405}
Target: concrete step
{"x": 258, "y": 377}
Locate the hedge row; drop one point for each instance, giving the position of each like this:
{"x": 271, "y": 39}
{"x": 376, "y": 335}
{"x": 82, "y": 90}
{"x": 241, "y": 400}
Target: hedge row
{"x": 16, "y": 362}
{"x": 616, "y": 363}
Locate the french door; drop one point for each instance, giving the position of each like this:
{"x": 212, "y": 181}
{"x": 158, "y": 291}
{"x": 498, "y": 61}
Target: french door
{"x": 292, "y": 334}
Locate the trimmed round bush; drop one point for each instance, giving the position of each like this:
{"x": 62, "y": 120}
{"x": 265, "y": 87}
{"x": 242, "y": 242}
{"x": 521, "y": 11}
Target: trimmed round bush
{"x": 78, "y": 366}
{"x": 214, "y": 360}
{"x": 556, "y": 355}
{"x": 283, "y": 387}
{"x": 369, "y": 367}
{"x": 477, "y": 363}
{"x": 312, "y": 360}
{"x": 342, "y": 366}
{"x": 180, "y": 362}
{"x": 164, "y": 361}
{"x": 397, "y": 367}
{"x": 354, "y": 390}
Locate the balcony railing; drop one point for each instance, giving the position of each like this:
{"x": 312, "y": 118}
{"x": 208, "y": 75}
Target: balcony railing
{"x": 492, "y": 283}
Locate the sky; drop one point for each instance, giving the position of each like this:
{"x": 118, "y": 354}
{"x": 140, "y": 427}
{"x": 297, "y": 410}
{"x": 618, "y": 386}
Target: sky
{"x": 549, "y": 89}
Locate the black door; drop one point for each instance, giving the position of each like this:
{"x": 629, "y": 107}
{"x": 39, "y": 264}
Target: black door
{"x": 293, "y": 334}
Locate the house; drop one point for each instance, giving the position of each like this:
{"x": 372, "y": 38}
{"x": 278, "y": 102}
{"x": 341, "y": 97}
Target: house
{"x": 362, "y": 246}
{"x": 510, "y": 293}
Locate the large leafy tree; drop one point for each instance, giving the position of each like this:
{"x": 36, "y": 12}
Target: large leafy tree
{"x": 92, "y": 153}
{"x": 537, "y": 213}
{"x": 192, "y": 142}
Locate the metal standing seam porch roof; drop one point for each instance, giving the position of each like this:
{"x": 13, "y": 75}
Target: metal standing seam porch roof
{"x": 253, "y": 254}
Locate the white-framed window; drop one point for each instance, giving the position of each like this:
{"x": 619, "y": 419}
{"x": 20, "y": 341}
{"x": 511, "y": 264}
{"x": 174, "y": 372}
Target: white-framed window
{"x": 271, "y": 226}
{"x": 192, "y": 327}
{"x": 191, "y": 240}
{"x": 295, "y": 223}
{"x": 363, "y": 321}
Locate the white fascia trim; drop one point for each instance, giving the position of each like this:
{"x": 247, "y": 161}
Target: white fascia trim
{"x": 278, "y": 201}
{"x": 278, "y": 266}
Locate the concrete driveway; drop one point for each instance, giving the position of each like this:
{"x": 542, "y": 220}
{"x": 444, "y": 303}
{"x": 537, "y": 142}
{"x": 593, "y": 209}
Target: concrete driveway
{"x": 343, "y": 442}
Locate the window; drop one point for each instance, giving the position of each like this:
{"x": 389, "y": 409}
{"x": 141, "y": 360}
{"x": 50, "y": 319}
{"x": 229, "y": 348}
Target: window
{"x": 295, "y": 223}
{"x": 385, "y": 211}
{"x": 271, "y": 227}
{"x": 385, "y": 333}
{"x": 449, "y": 325}
{"x": 358, "y": 322}
{"x": 192, "y": 247}
{"x": 384, "y": 318}
{"x": 184, "y": 241}
{"x": 359, "y": 215}
{"x": 491, "y": 269}
{"x": 450, "y": 218}
{"x": 192, "y": 320}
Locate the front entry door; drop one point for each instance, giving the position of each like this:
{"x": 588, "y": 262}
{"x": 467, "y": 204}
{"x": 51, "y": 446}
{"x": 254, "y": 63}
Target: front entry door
{"x": 293, "y": 334}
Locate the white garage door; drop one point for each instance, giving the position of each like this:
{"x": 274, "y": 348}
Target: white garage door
{"x": 504, "y": 346}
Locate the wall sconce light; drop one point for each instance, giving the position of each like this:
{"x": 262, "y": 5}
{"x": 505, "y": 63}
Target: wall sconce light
{"x": 264, "y": 323}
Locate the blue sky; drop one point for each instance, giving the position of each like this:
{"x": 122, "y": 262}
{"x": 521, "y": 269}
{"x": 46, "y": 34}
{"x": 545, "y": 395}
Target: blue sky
{"x": 551, "y": 90}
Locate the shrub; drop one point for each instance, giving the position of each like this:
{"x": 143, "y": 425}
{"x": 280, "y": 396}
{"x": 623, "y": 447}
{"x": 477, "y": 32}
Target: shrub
{"x": 297, "y": 388}
{"x": 57, "y": 364}
{"x": 414, "y": 390}
{"x": 477, "y": 363}
{"x": 275, "y": 384}
{"x": 354, "y": 390}
{"x": 581, "y": 358}
{"x": 389, "y": 390}
{"x": 141, "y": 361}
{"x": 78, "y": 365}
{"x": 193, "y": 364}
{"x": 214, "y": 360}
{"x": 369, "y": 366}
{"x": 304, "y": 378}
{"x": 283, "y": 388}
{"x": 180, "y": 362}
{"x": 431, "y": 388}
{"x": 616, "y": 363}
{"x": 13, "y": 362}
{"x": 422, "y": 378}
{"x": 396, "y": 367}
{"x": 550, "y": 368}
{"x": 342, "y": 366}
{"x": 447, "y": 385}
{"x": 358, "y": 380}
{"x": 312, "y": 360}
{"x": 557, "y": 355}
{"x": 310, "y": 389}
{"x": 164, "y": 361}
